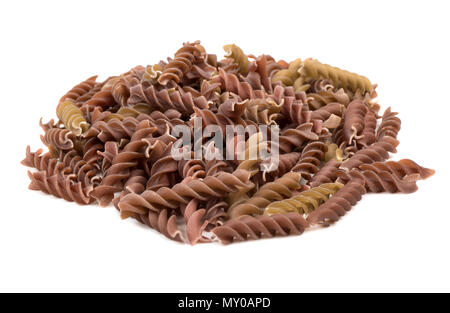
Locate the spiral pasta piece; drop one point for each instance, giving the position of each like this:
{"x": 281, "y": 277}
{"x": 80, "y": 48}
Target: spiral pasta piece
{"x": 380, "y": 181}
{"x": 290, "y": 75}
{"x": 305, "y": 202}
{"x": 338, "y": 205}
{"x": 259, "y": 227}
{"x": 60, "y": 187}
{"x": 324, "y": 97}
{"x": 163, "y": 222}
{"x": 354, "y": 120}
{"x": 376, "y": 152}
{"x": 273, "y": 191}
{"x": 262, "y": 111}
{"x": 238, "y": 56}
{"x": 166, "y": 99}
{"x": 72, "y": 117}
{"x": 59, "y": 138}
{"x": 103, "y": 99}
{"x": 310, "y": 159}
{"x": 291, "y": 138}
{"x": 401, "y": 169}
{"x": 390, "y": 125}
{"x": 340, "y": 78}
{"x": 79, "y": 90}
{"x": 181, "y": 64}
{"x": 326, "y": 174}
{"x": 368, "y": 136}
{"x": 201, "y": 189}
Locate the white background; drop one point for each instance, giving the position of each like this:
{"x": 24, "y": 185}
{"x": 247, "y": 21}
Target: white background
{"x": 387, "y": 243}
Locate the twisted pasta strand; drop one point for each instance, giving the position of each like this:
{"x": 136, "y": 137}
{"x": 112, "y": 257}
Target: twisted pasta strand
{"x": 182, "y": 63}
{"x": 259, "y": 227}
{"x": 201, "y": 189}
{"x": 340, "y": 78}
{"x": 338, "y": 205}
{"x": 238, "y": 56}
{"x": 72, "y": 117}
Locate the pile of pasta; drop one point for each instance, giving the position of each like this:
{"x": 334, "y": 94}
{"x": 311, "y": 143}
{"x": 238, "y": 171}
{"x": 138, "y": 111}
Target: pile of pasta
{"x": 112, "y": 143}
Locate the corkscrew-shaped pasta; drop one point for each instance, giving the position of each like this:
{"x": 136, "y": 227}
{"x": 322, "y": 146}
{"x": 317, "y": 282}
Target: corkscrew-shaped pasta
{"x": 400, "y": 169}
{"x": 59, "y": 186}
{"x": 273, "y": 191}
{"x": 134, "y": 184}
{"x": 102, "y": 99}
{"x": 305, "y": 202}
{"x": 380, "y": 181}
{"x": 163, "y": 222}
{"x": 259, "y": 227}
{"x": 182, "y": 63}
{"x": 152, "y": 73}
{"x": 59, "y": 138}
{"x": 201, "y": 189}
{"x": 295, "y": 111}
{"x": 324, "y": 113}
{"x": 90, "y": 150}
{"x": 368, "y": 136}
{"x": 379, "y": 151}
{"x": 79, "y": 90}
{"x": 322, "y": 98}
{"x": 354, "y": 120}
{"x": 238, "y": 56}
{"x": 42, "y": 161}
{"x": 289, "y": 75}
{"x": 72, "y": 117}
{"x": 326, "y": 174}
{"x": 163, "y": 169}
{"x": 286, "y": 163}
{"x": 338, "y": 205}
{"x": 390, "y": 125}
{"x": 292, "y": 138}
{"x": 310, "y": 159}
{"x": 262, "y": 111}
{"x": 113, "y": 129}
{"x": 230, "y": 82}
{"x": 233, "y": 108}
{"x": 121, "y": 164}
{"x": 165, "y": 99}
{"x": 340, "y": 78}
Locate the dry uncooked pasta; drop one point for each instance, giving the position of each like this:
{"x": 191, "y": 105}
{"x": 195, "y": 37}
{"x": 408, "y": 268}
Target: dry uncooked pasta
{"x": 116, "y": 142}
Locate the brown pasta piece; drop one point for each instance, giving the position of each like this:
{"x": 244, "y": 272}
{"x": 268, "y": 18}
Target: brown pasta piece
{"x": 376, "y": 152}
{"x": 210, "y": 186}
{"x": 368, "y": 136}
{"x": 390, "y": 125}
{"x": 310, "y": 159}
{"x": 259, "y": 227}
{"x": 80, "y": 90}
{"x": 354, "y": 120}
{"x": 185, "y": 57}
{"x": 59, "y": 138}
{"x": 338, "y": 205}
{"x": 326, "y": 174}
{"x": 380, "y": 181}
{"x": 400, "y": 169}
